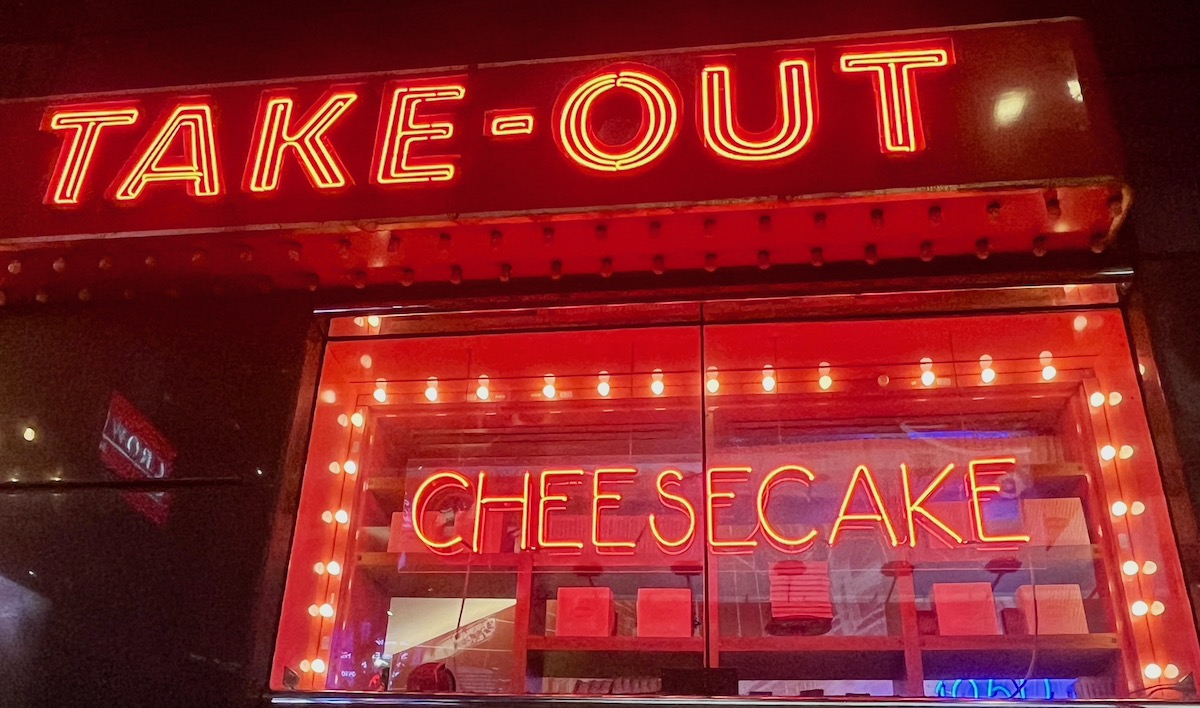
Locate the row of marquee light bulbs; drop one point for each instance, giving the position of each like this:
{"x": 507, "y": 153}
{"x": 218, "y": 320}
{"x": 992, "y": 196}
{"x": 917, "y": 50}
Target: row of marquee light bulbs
{"x": 1097, "y": 400}
{"x": 712, "y": 383}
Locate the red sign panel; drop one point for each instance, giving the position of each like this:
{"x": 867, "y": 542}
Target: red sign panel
{"x": 986, "y": 107}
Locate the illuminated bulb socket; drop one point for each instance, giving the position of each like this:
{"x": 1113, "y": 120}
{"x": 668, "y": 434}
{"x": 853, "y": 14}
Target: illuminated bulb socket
{"x": 1120, "y": 508}
{"x": 314, "y": 610}
{"x": 431, "y": 389}
{"x": 357, "y": 419}
{"x": 1125, "y": 452}
{"x": 1139, "y": 608}
{"x": 351, "y": 467}
{"x": 380, "y": 394}
{"x": 1096, "y": 399}
{"x": 335, "y": 467}
{"x": 712, "y": 384}
{"x": 1137, "y": 508}
{"x": 326, "y": 610}
{"x": 343, "y": 420}
{"x": 1129, "y": 567}
{"x": 1114, "y": 399}
{"x": 1157, "y": 608}
{"x": 319, "y": 568}
{"x": 603, "y": 387}
{"x": 342, "y": 517}
{"x": 1108, "y": 452}
{"x": 305, "y": 666}
{"x": 482, "y": 392}
{"x": 327, "y": 516}
{"x": 1153, "y": 672}
{"x": 768, "y": 378}
{"x": 548, "y": 389}
{"x": 1171, "y": 672}
{"x": 656, "y": 383}
{"x": 1149, "y": 567}
{"x": 329, "y": 396}
{"x": 318, "y": 666}
{"x": 1080, "y": 323}
{"x": 365, "y": 361}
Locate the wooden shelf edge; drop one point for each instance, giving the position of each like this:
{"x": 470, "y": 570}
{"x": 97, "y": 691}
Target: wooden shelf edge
{"x": 812, "y": 643}
{"x": 638, "y": 644}
{"x": 1051, "y": 642}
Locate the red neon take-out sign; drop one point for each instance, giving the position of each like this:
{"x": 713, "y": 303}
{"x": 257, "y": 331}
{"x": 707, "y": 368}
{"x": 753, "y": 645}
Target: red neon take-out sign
{"x": 1009, "y": 106}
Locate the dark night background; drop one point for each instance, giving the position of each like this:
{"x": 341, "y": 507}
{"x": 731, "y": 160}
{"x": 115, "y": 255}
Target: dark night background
{"x": 111, "y": 609}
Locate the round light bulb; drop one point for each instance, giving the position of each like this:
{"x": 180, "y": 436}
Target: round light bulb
{"x": 329, "y": 396}
{"x": 335, "y": 468}
{"x": 365, "y": 361}
{"x": 327, "y": 516}
{"x": 1139, "y": 608}
{"x": 1171, "y": 671}
{"x": 360, "y": 322}
{"x": 351, "y": 467}
{"x": 549, "y": 391}
{"x": 1096, "y": 399}
{"x": 928, "y": 378}
{"x": 305, "y": 666}
{"x": 342, "y": 517}
{"x": 1114, "y": 398}
{"x": 319, "y": 568}
{"x": 326, "y": 610}
{"x": 374, "y": 320}
{"x": 1149, "y": 567}
{"x": 343, "y": 420}
{"x": 1153, "y": 672}
{"x": 657, "y": 388}
{"x": 1120, "y": 508}
{"x": 1157, "y": 608}
{"x": 712, "y": 385}
{"x": 357, "y": 420}
{"x": 1108, "y": 452}
{"x": 381, "y": 395}
{"x": 482, "y": 393}
{"x": 1080, "y": 323}
{"x": 926, "y": 364}
{"x": 1137, "y": 508}
{"x": 334, "y": 568}
{"x": 1142, "y": 369}
{"x": 987, "y": 375}
{"x": 825, "y": 382}
{"x": 1045, "y": 358}
{"x": 1130, "y": 567}
{"x": 603, "y": 389}
{"x": 318, "y": 666}
{"x": 431, "y": 394}
{"x": 1048, "y": 373}
{"x": 314, "y": 610}
{"x": 768, "y": 378}
{"x": 985, "y": 361}
{"x": 1125, "y": 452}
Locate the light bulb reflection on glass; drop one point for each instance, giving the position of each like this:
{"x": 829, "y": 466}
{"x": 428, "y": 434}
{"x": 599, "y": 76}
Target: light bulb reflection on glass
{"x": 327, "y": 516}
{"x": 1125, "y": 452}
{"x": 768, "y": 378}
{"x": 319, "y": 568}
{"x": 657, "y": 386}
{"x": 1137, "y": 508}
{"x": 1149, "y": 567}
{"x": 314, "y": 610}
{"x": 1171, "y": 671}
{"x": 1114, "y": 398}
{"x": 1157, "y": 608}
{"x": 305, "y": 666}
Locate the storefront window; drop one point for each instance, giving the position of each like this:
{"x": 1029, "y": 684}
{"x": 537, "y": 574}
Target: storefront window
{"x": 944, "y": 506}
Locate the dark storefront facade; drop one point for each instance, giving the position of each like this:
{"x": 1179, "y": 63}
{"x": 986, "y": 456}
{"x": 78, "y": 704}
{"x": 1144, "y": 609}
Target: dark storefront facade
{"x": 839, "y": 361}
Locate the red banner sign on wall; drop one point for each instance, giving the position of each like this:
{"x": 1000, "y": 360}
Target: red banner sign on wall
{"x": 991, "y": 107}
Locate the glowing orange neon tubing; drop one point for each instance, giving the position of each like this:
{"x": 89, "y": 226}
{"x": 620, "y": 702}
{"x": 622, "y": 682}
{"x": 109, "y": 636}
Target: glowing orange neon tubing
{"x": 66, "y": 182}
{"x": 511, "y": 124}
{"x": 976, "y": 490}
{"x": 794, "y": 123}
{"x": 482, "y": 502}
{"x": 711, "y": 496}
{"x": 932, "y": 523}
{"x": 402, "y": 130}
{"x": 608, "y": 500}
{"x": 660, "y": 121}
{"x": 679, "y": 503}
{"x": 545, "y": 499}
{"x": 199, "y": 171}
{"x": 896, "y": 91}
{"x": 862, "y": 477}
{"x": 783, "y": 543}
{"x": 275, "y": 137}
{"x": 421, "y": 500}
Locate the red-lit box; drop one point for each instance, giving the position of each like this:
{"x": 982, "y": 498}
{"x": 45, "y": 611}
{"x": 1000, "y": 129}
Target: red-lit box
{"x": 664, "y": 612}
{"x": 585, "y": 612}
{"x": 1055, "y": 522}
{"x": 965, "y": 609}
{"x": 1059, "y": 609}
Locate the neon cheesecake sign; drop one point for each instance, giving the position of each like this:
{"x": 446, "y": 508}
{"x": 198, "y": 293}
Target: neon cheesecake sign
{"x": 862, "y": 508}
{"x": 847, "y": 116}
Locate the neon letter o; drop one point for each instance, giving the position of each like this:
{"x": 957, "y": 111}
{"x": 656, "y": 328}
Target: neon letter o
{"x": 660, "y": 121}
